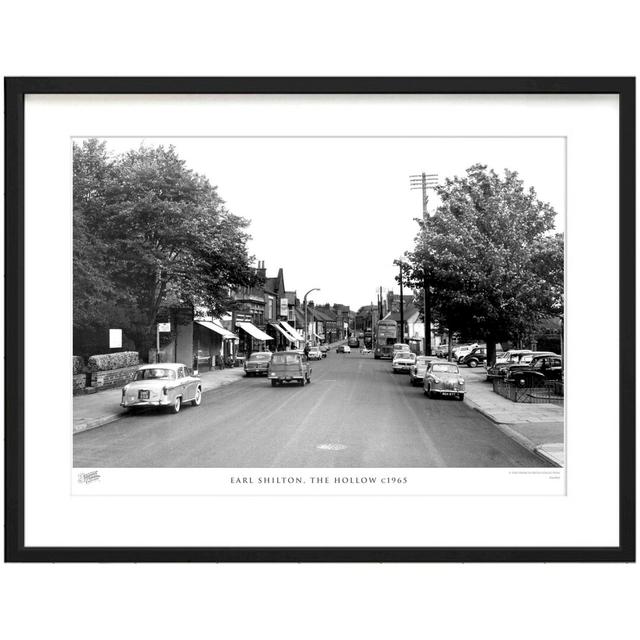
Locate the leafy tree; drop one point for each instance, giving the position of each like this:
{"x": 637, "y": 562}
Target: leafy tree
{"x": 494, "y": 266}
{"x": 148, "y": 232}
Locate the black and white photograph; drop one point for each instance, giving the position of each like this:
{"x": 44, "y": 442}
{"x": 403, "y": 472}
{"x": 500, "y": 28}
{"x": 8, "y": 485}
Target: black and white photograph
{"x": 365, "y": 318}
{"x": 311, "y": 302}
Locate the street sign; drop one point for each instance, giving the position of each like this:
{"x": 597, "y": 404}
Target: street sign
{"x": 164, "y": 327}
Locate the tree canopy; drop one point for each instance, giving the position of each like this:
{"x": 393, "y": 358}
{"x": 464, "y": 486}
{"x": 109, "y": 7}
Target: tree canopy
{"x": 494, "y": 265}
{"x": 148, "y": 231}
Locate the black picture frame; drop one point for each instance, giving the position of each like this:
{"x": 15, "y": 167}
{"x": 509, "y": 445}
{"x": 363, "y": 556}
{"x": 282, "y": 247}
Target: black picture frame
{"x": 15, "y": 91}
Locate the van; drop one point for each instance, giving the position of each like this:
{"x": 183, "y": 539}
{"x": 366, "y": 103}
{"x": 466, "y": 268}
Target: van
{"x": 289, "y": 366}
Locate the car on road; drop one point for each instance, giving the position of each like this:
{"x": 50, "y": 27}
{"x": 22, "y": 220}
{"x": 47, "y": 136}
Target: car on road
{"x": 167, "y": 385}
{"x": 353, "y": 342}
{"x": 504, "y": 361}
{"x": 257, "y": 363}
{"x": 417, "y": 371}
{"x": 365, "y": 349}
{"x": 475, "y": 357}
{"x": 289, "y": 366}
{"x": 543, "y": 367}
{"x": 324, "y": 349}
{"x": 343, "y": 348}
{"x": 403, "y": 361}
{"x": 443, "y": 378}
{"x": 314, "y": 353}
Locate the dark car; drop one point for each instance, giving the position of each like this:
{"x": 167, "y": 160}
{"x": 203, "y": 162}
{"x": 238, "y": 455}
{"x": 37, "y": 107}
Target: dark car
{"x": 542, "y": 368}
{"x": 475, "y": 357}
{"x": 506, "y": 360}
{"x": 353, "y": 342}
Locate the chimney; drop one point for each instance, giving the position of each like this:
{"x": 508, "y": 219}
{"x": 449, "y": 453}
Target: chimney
{"x": 261, "y": 271}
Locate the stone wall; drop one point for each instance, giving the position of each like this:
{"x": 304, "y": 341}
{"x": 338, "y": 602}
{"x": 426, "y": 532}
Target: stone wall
{"x": 79, "y": 381}
{"x": 113, "y": 378}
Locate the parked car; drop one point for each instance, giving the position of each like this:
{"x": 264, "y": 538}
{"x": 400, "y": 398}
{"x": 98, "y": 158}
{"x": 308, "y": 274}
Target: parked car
{"x": 289, "y": 366}
{"x": 513, "y": 356}
{"x": 257, "y": 363}
{"x": 324, "y": 349}
{"x": 403, "y": 361}
{"x": 353, "y": 342}
{"x": 400, "y": 346}
{"x": 162, "y": 385}
{"x": 543, "y": 367}
{"x": 417, "y": 371}
{"x": 314, "y": 353}
{"x": 441, "y": 351}
{"x": 475, "y": 357}
{"x": 443, "y": 378}
{"x": 343, "y": 348}
{"x": 461, "y": 350}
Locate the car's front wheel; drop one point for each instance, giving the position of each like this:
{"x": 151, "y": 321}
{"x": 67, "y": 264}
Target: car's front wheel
{"x": 197, "y": 399}
{"x": 175, "y": 407}
{"x": 472, "y": 363}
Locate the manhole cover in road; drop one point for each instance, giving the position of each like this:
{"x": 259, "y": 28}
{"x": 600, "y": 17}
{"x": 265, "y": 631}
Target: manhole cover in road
{"x": 332, "y": 446}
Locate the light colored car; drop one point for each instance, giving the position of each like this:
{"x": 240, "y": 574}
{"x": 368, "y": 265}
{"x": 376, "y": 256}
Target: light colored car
{"x": 403, "y": 361}
{"x": 400, "y": 346}
{"x": 343, "y": 348}
{"x": 167, "y": 385}
{"x": 443, "y": 378}
{"x": 314, "y": 353}
{"x": 365, "y": 350}
{"x": 417, "y": 371}
{"x": 257, "y": 363}
{"x": 289, "y": 366}
{"x": 461, "y": 350}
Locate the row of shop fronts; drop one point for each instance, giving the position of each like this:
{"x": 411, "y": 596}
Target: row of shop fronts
{"x": 265, "y": 317}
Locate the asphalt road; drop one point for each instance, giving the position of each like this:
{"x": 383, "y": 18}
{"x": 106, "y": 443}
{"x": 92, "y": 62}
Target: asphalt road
{"x": 355, "y": 413}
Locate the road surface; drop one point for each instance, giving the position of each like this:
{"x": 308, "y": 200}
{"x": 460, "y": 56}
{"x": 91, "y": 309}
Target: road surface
{"x": 355, "y": 413}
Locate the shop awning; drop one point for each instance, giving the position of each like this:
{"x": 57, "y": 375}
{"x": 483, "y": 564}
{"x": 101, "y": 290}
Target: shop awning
{"x": 292, "y": 332}
{"x": 282, "y": 331}
{"x": 216, "y": 328}
{"x": 252, "y": 330}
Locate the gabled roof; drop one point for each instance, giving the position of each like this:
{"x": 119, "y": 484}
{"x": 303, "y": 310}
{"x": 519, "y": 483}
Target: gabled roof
{"x": 275, "y": 285}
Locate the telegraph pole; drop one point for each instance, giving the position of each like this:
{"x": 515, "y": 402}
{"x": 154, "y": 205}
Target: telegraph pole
{"x": 423, "y": 182}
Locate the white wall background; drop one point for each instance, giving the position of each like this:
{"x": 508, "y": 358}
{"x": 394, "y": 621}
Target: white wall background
{"x": 329, "y": 38}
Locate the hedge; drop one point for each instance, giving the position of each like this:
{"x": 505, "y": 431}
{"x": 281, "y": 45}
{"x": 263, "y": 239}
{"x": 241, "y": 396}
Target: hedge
{"x": 78, "y": 365}
{"x": 108, "y": 361}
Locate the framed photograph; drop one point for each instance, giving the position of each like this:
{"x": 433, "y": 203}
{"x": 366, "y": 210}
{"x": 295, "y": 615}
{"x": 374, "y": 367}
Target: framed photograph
{"x": 320, "y": 319}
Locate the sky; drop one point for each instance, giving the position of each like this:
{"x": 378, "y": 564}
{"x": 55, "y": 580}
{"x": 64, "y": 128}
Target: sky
{"x": 334, "y": 212}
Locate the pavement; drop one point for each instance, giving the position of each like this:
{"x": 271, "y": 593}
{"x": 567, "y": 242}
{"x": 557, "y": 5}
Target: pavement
{"x": 537, "y": 427}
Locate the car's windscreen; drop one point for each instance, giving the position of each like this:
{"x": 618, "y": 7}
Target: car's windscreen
{"x": 285, "y": 358}
{"x": 156, "y": 374}
{"x": 259, "y": 357}
{"x": 444, "y": 368}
